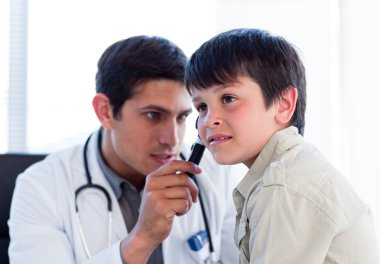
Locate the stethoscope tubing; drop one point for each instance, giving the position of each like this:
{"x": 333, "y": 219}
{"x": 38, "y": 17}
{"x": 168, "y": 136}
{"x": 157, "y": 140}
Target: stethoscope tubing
{"x": 195, "y": 156}
{"x": 90, "y": 185}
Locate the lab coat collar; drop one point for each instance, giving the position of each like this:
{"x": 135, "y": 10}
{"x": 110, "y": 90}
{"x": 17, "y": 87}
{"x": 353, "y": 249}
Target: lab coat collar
{"x": 118, "y": 225}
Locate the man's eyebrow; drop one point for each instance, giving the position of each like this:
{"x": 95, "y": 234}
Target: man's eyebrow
{"x": 164, "y": 110}
{"x": 187, "y": 111}
{"x": 156, "y": 108}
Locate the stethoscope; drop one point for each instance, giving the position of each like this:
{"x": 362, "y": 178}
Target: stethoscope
{"x": 87, "y": 186}
{"x": 196, "y": 242}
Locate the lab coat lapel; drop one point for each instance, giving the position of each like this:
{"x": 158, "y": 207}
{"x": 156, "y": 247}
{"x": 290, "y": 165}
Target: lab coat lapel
{"x": 118, "y": 226}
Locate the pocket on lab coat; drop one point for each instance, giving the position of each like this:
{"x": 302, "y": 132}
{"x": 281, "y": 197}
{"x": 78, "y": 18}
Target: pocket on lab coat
{"x": 203, "y": 254}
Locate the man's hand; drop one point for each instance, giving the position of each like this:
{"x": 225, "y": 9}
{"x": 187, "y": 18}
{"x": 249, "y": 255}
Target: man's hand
{"x": 168, "y": 192}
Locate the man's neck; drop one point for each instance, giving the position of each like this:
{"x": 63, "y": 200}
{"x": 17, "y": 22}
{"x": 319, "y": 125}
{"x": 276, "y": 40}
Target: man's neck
{"x": 112, "y": 160}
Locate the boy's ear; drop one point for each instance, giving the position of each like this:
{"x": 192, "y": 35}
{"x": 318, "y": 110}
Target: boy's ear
{"x": 286, "y": 106}
{"x": 103, "y": 109}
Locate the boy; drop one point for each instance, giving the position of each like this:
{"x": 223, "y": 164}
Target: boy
{"x": 292, "y": 206}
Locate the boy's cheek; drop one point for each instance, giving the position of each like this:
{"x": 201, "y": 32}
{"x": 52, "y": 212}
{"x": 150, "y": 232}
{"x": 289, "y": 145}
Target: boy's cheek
{"x": 203, "y": 136}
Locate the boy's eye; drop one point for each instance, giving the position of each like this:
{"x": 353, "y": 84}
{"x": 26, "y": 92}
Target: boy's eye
{"x": 201, "y": 108}
{"x": 228, "y": 99}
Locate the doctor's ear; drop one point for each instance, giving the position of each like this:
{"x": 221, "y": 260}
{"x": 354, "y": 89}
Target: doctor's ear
{"x": 286, "y": 105}
{"x": 103, "y": 109}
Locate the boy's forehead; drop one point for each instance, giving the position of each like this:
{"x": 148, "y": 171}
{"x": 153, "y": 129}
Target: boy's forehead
{"x": 197, "y": 93}
{"x": 221, "y": 84}
{"x": 240, "y": 81}
{"x": 218, "y": 87}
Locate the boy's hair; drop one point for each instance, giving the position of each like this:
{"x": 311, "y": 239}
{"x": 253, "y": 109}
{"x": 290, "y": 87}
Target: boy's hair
{"x": 269, "y": 60}
{"x": 133, "y": 61}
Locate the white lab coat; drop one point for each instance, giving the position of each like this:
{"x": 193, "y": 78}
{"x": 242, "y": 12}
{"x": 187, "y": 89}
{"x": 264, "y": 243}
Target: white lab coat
{"x": 43, "y": 227}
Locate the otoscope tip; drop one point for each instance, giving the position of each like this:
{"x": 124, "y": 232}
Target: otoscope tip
{"x": 199, "y": 141}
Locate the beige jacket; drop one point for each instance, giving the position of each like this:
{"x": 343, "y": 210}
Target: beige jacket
{"x": 294, "y": 207}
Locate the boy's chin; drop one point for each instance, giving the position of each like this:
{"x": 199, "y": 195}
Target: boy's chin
{"x": 224, "y": 160}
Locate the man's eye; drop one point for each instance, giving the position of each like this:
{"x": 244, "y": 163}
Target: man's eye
{"x": 182, "y": 117}
{"x": 153, "y": 115}
{"x": 201, "y": 108}
{"x": 228, "y": 99}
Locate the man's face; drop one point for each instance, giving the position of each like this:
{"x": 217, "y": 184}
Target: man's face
{"x": 150, "y": 128}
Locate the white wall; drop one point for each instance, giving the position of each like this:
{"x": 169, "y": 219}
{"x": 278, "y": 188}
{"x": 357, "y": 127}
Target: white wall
{"x": 4, "y": 73}
{"x": 360, "y": 95}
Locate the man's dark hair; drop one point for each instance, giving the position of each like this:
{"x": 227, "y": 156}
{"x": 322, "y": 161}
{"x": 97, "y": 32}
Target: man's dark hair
{"x": 133, "y": 61}
{"x": 269, "y": 60}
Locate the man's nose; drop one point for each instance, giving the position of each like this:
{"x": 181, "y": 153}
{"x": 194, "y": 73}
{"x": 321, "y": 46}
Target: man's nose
{"x": 169, "y": 134}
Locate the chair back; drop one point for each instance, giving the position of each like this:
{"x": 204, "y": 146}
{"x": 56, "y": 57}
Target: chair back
{"x": 11, "y": 165}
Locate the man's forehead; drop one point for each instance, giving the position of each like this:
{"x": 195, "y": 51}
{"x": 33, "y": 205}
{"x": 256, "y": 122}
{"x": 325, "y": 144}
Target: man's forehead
{"x": 154, "y": 83}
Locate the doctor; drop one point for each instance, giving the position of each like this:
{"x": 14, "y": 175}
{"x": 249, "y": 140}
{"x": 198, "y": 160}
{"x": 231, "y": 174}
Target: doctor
{"x": 124, "y": 197}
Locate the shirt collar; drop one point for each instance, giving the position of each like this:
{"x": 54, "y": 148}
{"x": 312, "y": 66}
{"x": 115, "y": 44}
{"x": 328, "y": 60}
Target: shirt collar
{"x": 280, "y": 142}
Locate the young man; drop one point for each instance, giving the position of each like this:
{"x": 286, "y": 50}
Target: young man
{"x": 124, "y": 196}
{"x": 293, "y": 207}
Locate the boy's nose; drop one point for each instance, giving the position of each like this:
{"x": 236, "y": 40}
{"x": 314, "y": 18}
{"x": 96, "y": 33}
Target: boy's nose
{"x": 212, "y": 120}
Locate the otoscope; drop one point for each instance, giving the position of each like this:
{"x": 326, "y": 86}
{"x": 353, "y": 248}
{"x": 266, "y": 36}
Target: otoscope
{"x": 196, "y": 155}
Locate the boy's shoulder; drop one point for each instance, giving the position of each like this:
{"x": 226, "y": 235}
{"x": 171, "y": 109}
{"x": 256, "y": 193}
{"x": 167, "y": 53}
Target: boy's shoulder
{"x": 305, "y": 173}
{"x": 301, "y": 164}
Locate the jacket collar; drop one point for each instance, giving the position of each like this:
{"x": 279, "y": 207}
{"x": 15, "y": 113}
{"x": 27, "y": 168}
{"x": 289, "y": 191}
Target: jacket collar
{"x": 280, "y": 142}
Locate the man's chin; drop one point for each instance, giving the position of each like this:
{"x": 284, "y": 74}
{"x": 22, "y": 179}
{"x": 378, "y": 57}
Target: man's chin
{"x": 149, "y": 168}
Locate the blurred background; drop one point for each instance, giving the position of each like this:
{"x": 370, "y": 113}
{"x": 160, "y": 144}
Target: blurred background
{"x": 49, "y": 51}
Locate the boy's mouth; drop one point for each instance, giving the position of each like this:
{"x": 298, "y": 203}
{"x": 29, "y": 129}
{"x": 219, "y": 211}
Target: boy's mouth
{"x": 217, "y": 138}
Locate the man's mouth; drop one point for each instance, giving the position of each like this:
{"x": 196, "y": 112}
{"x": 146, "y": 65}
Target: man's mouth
{"x": 163, "y": 158}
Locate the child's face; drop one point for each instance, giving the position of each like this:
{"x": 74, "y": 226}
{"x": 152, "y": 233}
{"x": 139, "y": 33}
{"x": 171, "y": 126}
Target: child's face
{"x": 234, "y": 123}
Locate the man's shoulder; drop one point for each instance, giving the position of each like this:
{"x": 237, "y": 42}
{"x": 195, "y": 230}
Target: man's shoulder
{"x": 47, "y": 167}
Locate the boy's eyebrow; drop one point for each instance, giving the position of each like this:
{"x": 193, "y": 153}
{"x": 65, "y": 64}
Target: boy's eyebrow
{"x": 227, "y": 85}
{"x": 220, "y": 87}
{"x": 195, "y": 99}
